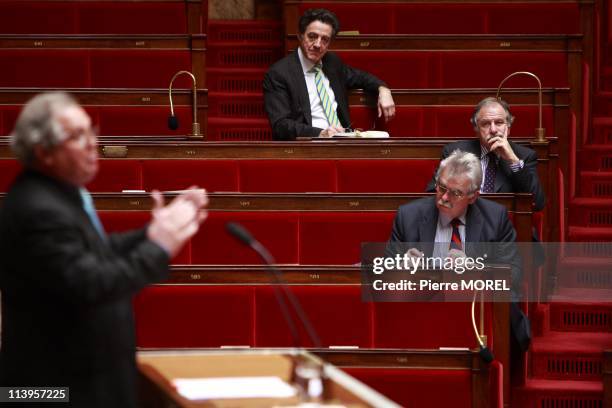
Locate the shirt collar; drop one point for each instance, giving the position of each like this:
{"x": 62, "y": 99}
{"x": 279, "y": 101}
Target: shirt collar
{"x": 445, "y": 221}
{"x": 307, "y": 65}
{"x": 483, "y": 151}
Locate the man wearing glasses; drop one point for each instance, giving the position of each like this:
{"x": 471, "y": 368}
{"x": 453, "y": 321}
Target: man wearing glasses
{"x": 440, "y": 226}
{"x": 305, "y": 93}
{"x": 455, "y": 215}
{"x": 506, "y": 166}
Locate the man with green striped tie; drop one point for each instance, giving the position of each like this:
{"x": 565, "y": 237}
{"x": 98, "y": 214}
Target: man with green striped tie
{"x": 305, "y": 93}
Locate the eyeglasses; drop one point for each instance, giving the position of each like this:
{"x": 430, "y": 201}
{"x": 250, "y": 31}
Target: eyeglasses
{"x": 80, "y": 137}
{"x": 486, "y": 124}
{"x": 455, "y": 194}
{"x": 313, "y": 37}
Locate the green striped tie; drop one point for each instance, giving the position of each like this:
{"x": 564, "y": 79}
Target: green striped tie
{"x": 328, "y": 108}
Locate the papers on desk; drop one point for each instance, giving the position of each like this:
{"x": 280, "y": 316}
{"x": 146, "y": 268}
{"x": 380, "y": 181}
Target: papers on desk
{"x": 233, "y": 387}
{"x": 374, "y": 134}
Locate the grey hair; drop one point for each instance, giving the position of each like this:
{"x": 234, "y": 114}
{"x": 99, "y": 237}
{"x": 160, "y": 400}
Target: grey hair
{"x": 462, "y": 163}
{"x": 490, "y": 101}
{"x": 37, "y": 125}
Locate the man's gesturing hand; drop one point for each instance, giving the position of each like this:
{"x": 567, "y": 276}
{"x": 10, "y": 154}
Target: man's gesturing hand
{"x": 172, "y": 225}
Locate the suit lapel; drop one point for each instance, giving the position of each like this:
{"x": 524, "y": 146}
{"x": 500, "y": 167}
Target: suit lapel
{"x": 427, "y": 229}
{"x": 473, "y": 224}
{"x": 501, "y": 176}
{"x": 302, "y": 90}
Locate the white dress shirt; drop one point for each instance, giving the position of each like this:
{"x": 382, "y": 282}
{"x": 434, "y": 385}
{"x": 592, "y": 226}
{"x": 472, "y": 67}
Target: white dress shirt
{"x": 319, "y": 120}
{"x": 444, "y": 232}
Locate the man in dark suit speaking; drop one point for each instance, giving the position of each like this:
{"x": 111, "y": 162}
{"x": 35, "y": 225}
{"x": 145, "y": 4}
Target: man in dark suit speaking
{"x": 506, "y": 166}
{"x": 305, "y": 93}
{"x": 66, "y": 285}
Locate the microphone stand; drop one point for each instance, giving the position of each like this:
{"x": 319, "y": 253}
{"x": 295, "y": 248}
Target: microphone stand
{"x": 485, "y": 353}
{"x": 173, "y": 120}
{"x": 245, "y": 237}
{"x": 540, "y": 132}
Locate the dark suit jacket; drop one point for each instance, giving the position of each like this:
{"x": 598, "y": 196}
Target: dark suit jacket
{"x": 524, "y": 181}
{"x": 66, "y": 295}
{"x": 486, "y": 223}
{"x": 286, "y": 95}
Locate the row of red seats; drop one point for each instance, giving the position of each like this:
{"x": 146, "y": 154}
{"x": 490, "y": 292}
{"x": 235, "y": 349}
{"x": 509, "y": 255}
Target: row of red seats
{"x": 92, "y": 68}
{"x": 410, "y": 121}
{"x": 119, "y": 120}
{"x": 93, "y": 17}
{"x": 459, "y": 69}
{"x": 183, "y": 316}
{"x": 153, "y": 68}
{"x": 293, "y": 237}
{"x": 248, "y": 176}
{"x": 474, "y": 17}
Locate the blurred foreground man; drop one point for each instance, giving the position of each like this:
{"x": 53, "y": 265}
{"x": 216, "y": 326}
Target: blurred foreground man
{"x": 66, "y": 285}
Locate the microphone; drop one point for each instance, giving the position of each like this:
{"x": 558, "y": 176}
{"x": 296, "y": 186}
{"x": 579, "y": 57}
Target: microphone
{"x": 244, "y": 236}
{"x": 485, "y": 353}
{"x": 173, "y": 123}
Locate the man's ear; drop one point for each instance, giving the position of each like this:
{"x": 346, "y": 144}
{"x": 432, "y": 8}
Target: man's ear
{"x": 474, "y": 197}
{"x": 42, "y": 156}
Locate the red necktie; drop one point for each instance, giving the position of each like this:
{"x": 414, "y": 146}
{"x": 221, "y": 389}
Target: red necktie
{"x": 455, "y": 242}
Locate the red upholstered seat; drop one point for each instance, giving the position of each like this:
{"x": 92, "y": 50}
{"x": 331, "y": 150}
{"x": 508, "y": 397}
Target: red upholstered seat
{"x": 194, "y": 316}
{"x": 117, "y": 175}
{"x": 388, "y": 176}
{"x": 287, "y": 176}
{"x": 96, "y": 17}
{"x": 423, "y": 325}
{"x": 168, "y": 175}
{"x": 459, "y": 69}
{"x": 408, "y": 120}
{"x": 38, "y": 17}
{"x": 466, "y": 69}
{"x": 445, "y": 18}
{"x": 118, "y": 221}
{"x": 399, "y": 69}
{"x": 336, "y": 312}
{"x": 9, "y": 168}
{"x": 138, "y": 68}
{"x": 132, "y": 18}
{"x": 44, "y": 68}
{"x": 276, "y": 230}
{"x": 142, "y": 120}
{"x": 419, "y": 387}
{"x": 87, "y": 68}
{"x": 336, "y": 237}
{"x": 446, "y": 121}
